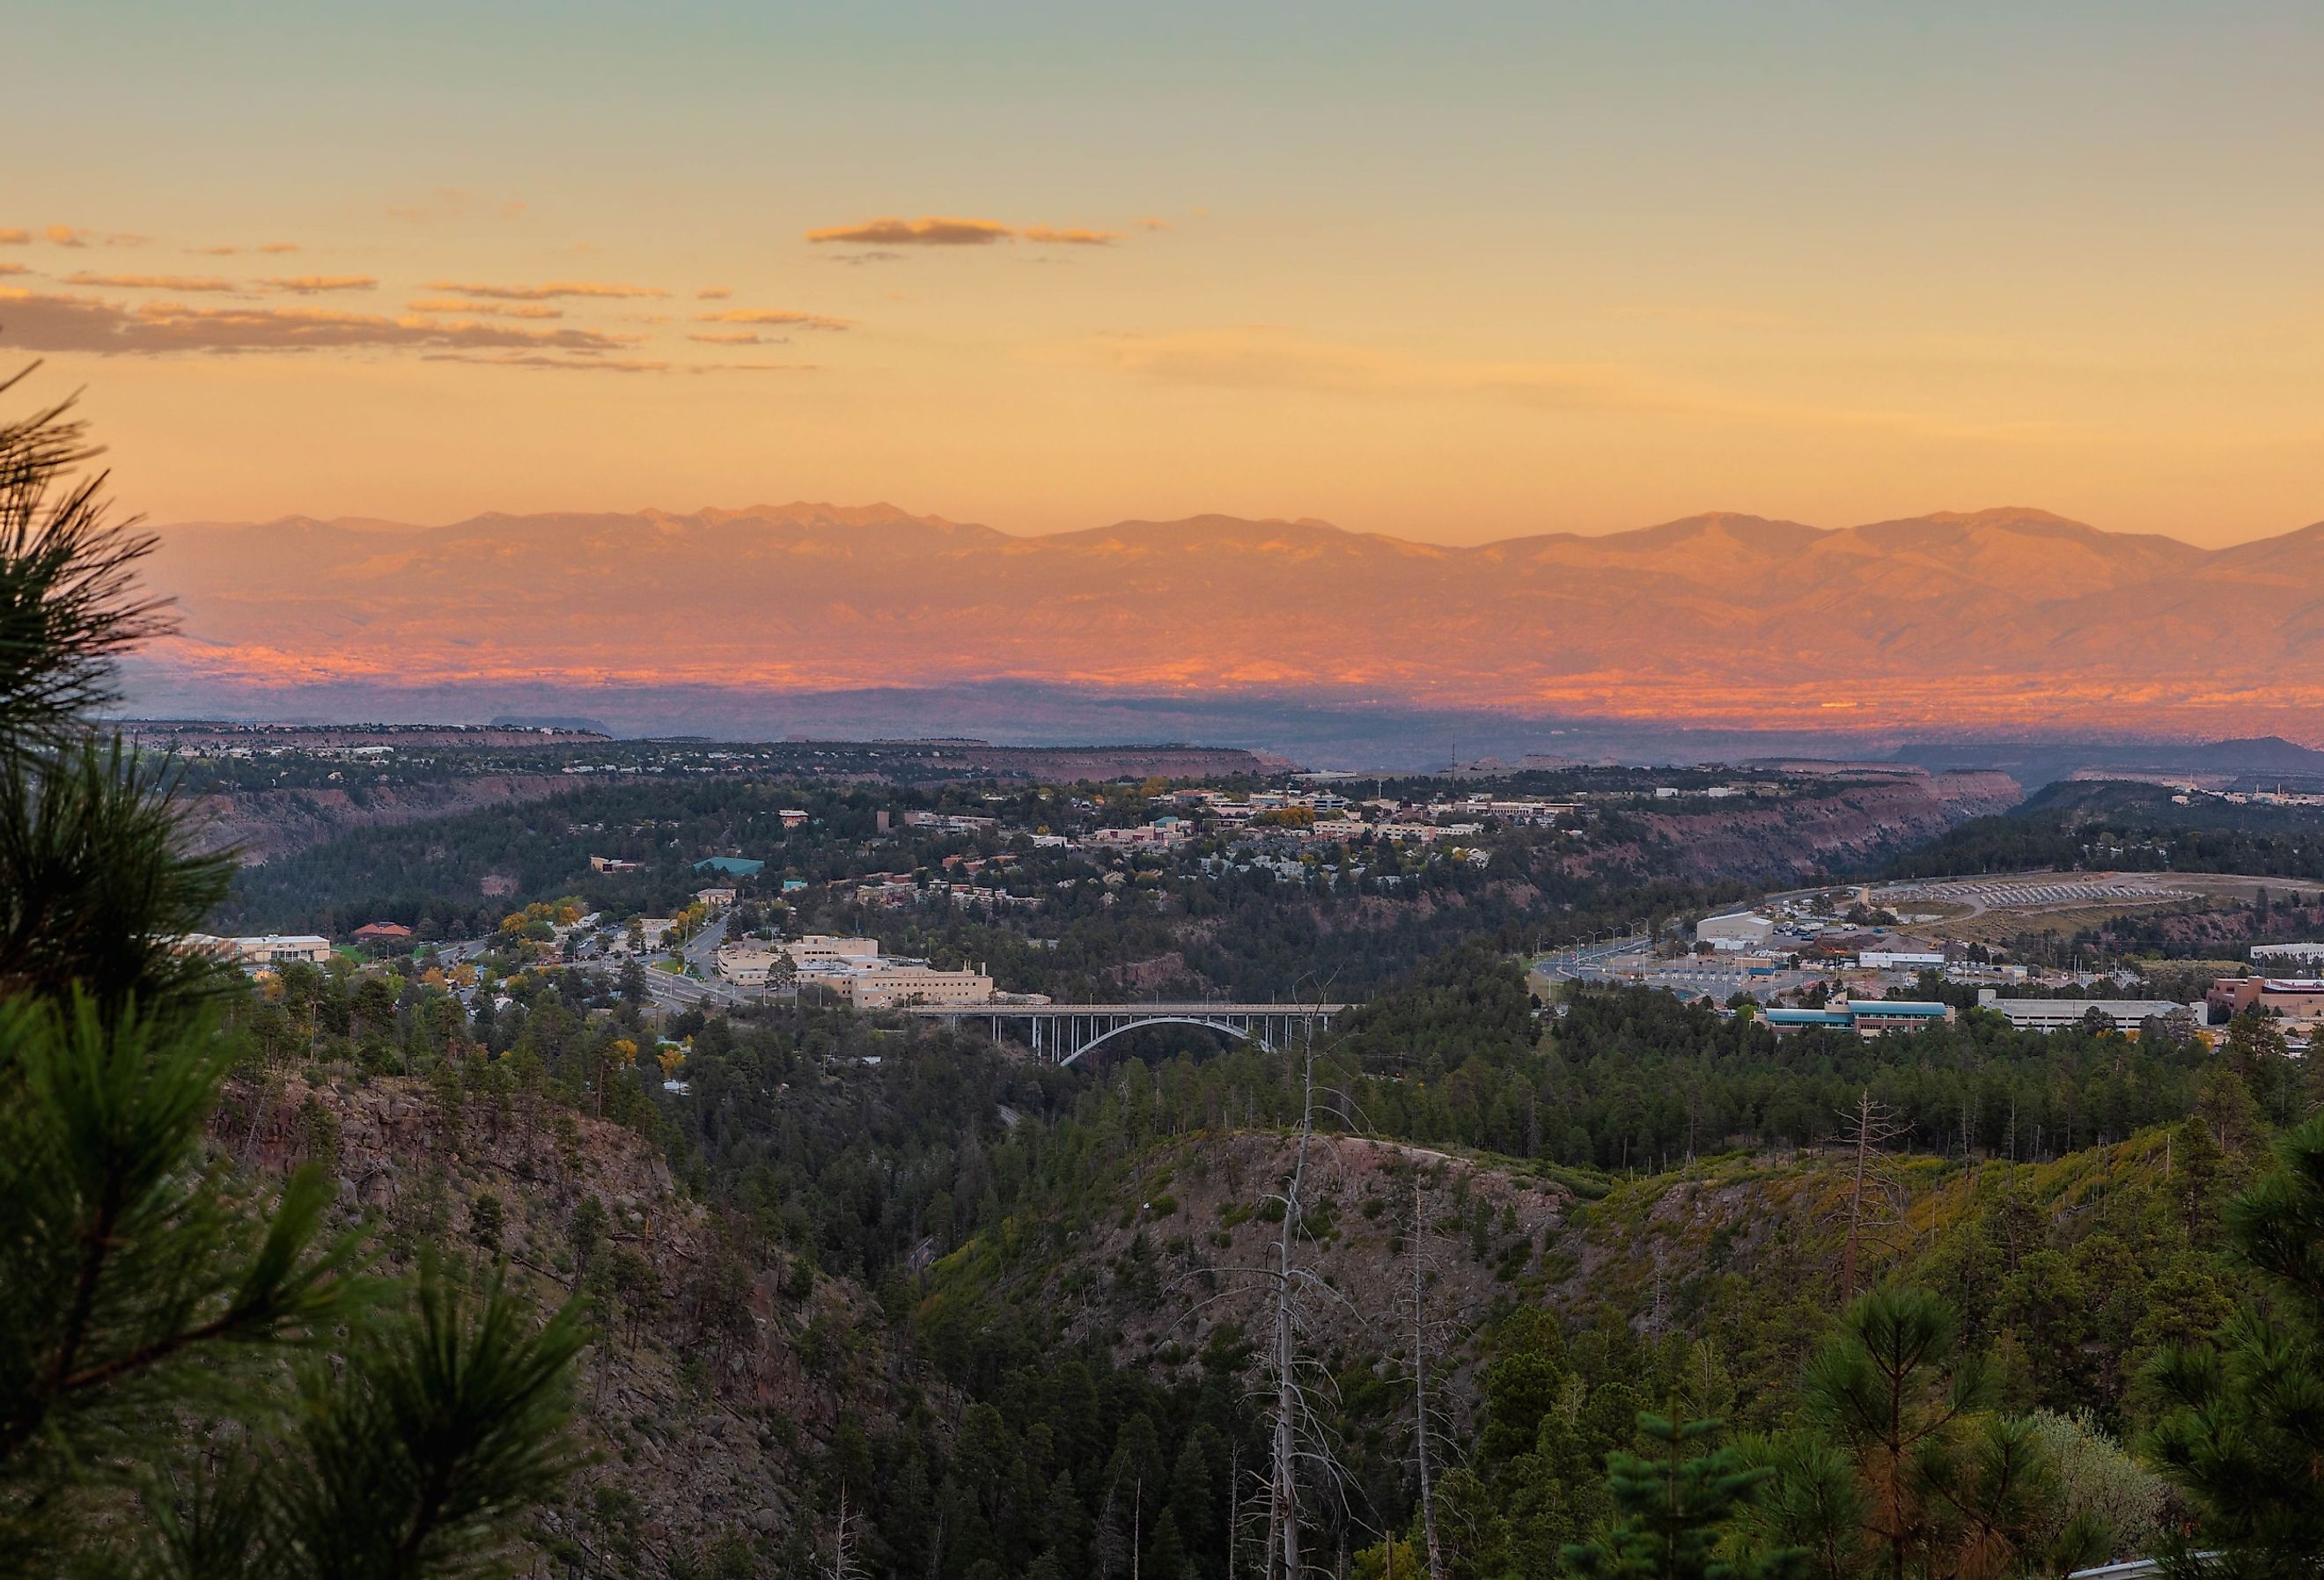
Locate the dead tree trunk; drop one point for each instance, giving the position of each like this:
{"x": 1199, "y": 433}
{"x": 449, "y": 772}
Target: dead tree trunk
{"x": 1283, "y": 1495}
{"x": 1869, "y": 1128}
{"x": 1420, "y": 1396}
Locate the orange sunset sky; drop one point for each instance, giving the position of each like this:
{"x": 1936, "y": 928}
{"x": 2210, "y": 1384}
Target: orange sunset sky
{"x": 1453, "y": 271}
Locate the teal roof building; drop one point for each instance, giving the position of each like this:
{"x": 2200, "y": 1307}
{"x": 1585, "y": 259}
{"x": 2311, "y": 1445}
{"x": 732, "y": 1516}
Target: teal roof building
{"x": 731, "y": 866}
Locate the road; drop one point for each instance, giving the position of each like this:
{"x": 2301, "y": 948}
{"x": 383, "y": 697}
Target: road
{"x": 702, "y": 951}
{"x": 686, "y": 992}
{"x": 1586, "y": 963}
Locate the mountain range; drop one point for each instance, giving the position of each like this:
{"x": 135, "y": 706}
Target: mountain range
{"x": 1996, "y": 620}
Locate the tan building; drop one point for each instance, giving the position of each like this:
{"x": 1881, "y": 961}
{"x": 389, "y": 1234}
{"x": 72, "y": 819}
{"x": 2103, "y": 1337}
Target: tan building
{"x": 824, "y": 949}
{"x": 890, "y": 982}
{"x": 653, "y": 929}
{"x": 751, "y": 962}
{"x": 275, "y": 948}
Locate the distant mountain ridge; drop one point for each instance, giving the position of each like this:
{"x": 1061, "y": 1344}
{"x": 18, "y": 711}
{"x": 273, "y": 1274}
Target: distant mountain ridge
{"x": 2001, "y": 618}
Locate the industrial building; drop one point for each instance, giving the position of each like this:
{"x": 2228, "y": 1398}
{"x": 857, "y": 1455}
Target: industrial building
{"x": 2061, "y": 1014}
{"x": 1865, "y": 1017}
{"x": 1739, "y": 929}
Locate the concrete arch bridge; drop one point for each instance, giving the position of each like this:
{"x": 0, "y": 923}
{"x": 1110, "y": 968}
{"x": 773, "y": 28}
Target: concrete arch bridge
{"x": 1061, "y": 1033}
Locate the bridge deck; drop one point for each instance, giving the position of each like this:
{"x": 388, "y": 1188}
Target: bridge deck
{"x": 1193, "y": 1007}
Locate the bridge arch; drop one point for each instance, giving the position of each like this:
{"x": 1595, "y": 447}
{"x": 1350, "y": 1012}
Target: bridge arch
{"x": 1245, "y": 1032}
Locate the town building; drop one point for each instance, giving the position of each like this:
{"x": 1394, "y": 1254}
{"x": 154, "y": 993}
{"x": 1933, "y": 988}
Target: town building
{"x": 824, "y": 949}
{"x": 890, "y": 982}
{"x": 279, "y": 948}
{"x": 1739, "y": 929}
{"x": 750, "y": 962}
{"x": 2297, "y": 1000}
{"x": 753, "y": 962}
{"x": 2063, "y": 1014}
{"x": 653, "y": 930}
{"x": 382, "y": 932}
{"x": 731, "y": 866}
{"x": 1865, "y": 1017}
{"x": 1160, "y": 834}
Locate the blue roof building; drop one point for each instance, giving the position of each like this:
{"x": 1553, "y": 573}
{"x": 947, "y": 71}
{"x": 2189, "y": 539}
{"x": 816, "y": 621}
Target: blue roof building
{"x": 1865, "y": 1017}
{"x": 731, "y": 867}
{"x": 1793, "y": 1020}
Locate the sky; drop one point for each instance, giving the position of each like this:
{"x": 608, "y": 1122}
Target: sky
{"x": 1455, "y": 273}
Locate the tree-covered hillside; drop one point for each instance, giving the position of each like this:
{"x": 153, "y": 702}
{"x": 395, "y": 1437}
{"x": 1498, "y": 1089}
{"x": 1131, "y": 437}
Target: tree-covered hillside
{"x": 2107, "y": 825}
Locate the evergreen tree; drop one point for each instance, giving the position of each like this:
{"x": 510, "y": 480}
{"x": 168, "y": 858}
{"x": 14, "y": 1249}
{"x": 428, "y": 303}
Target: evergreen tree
{"x": 166, "y": 1403}
{"x": 1674, "y": 1506}
{"x": 2247, "y": 1434}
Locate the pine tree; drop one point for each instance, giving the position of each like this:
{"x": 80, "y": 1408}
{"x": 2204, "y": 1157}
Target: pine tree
{"x": 1673, "y": 1509}
{"x": 2246, "y": 1436}
{"x": 168, "y": 1403}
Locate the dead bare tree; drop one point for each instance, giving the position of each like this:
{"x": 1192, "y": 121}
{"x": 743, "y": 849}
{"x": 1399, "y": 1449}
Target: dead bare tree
{"x": 843, "y": 1543}
{"x": 1282, "y": 1478}
{"x": 1302, "y": 1451}
{"x": 1865, "y": 1132}
{"x": 1420, "y": 1389}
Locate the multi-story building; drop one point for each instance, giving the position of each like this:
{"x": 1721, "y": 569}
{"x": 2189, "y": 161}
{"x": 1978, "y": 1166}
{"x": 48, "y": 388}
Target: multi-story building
{"x": 277, "y": 949}
{"x": 754, "y": 962}
{"x": 888, "y": 983}
{"x": 2063, "y": 1014}
{"x": 1865, "y": 1017}
{"x": 2298, "y": 1000}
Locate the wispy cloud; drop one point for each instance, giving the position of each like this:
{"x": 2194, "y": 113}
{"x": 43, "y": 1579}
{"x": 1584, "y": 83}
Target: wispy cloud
{"x": 933, "y": 232}
{"x": 65, "y": 236}
{"x": 278, "y": 247}
{"x": 1265, "y": 356}
{"x": 539, "y": 359}
{"x": 545, "y": 362}
{"x": 309, "y": 284}
{"x": 15, "y": 238}
{"x": 127, "y": 238}
{"x": 713, "y": 293}
{"x": 1269, "y": 357}
{"x": 1070, "y": 236}
{"x": 779, "y": 316}
{"x": 44, "y": 322}
{"x": 729, "y": 338}
{"x": 546, "y": 292}
{"x": 195, "y": 282}
{"x": 937, "y": 231}
{"x": 499, "y": 309}
{"x": 15, "y": 269}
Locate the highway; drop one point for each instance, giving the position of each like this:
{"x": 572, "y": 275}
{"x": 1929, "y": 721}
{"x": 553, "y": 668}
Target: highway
{"x": 1587, "y": 963}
